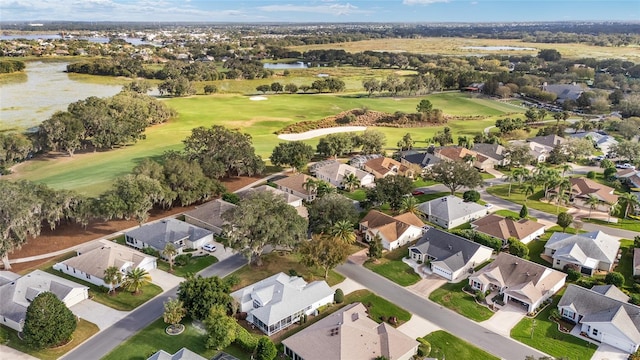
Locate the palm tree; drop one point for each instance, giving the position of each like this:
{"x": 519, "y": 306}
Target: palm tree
{"x": 409, "y": 204}
{"x": 113, "y": 277}
{"x": 323, "y": 188}
{"x": 343, "y": 231}
{"x": 565, "y": 168}
{"x": 627, "y": 201}
{"x": 510, "y": 178}
{"x": 350, "y": 182}
{"x": 563, "y": 185}
{"x": 311, "y": 185}
{"x": 170, "y": 252}
{"x": 528, "y": 189}
{"x": 593, "y": 203}
{"x": 135, "y": 279}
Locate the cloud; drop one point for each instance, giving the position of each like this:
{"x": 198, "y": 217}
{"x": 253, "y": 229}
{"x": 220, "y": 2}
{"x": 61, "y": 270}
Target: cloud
{"x": 331, "y": 9}
{"x": 423, "y": 2}
{"x": 474, "y": 3}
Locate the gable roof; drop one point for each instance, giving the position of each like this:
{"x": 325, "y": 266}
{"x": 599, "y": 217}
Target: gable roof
{"x": 422, "y": 159}
{"x": 452, "y": 250}
{"x": 349, "y": 334}
{"x": 548, "y": 140}
{"x": 158, "y": 234}
{"x": 94, "y": 262}
{"x": 295, "y": 182}
{"x": 336, "y": 171}
{"x": 564, "y": 91}
{"x": 384, "y": 165}
{"x": 585, "y": 187}
{"x": 594, "y": 245}
{"x": 182, "y": 354}
{"x": 494, "y": 151}
{"x": 391, "y": 227}
{"x": 504, "y": 228}
{"x": 521, "y": 278}
{"x": 611, "y": 291}
{"x": 455, "y": 152}
{"x": 211, "y": 212}
{"x": 281, "y": 295}
{"x": 598, "y": 307}
{"x": 450, "y": 207}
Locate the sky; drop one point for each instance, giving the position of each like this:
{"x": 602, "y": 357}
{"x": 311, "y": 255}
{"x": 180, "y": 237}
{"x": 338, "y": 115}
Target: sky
{"x": 331, "y": 11}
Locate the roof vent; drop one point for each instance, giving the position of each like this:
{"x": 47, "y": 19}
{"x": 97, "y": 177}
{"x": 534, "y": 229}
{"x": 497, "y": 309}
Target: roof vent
{"x": 515, "y": 263}
{"x": 450, "y": 247}
{"x": 527, "y": 274}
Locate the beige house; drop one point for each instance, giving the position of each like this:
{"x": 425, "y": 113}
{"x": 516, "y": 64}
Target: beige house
{"x": 349, "y": 334}
{"x": 395, "y": 231}
{"x": 296, "y": 185}
{"x": 504, "y": 228}
{"x": 582, "y": 188}
{"x": 209, "y": 215}
{"x": 459, "y": 153}
{"x": 519, "y": 281}
{"x": 383, "y": 166}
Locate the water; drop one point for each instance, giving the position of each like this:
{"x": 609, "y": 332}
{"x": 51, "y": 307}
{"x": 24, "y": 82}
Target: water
{"x": 496, "y": 48}
{"x": 47, "y": 89}
{"x": 95, "y": 39}
{"x": 280, "y": 66}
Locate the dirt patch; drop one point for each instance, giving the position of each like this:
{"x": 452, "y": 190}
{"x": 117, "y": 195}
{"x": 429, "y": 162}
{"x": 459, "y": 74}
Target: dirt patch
{"x": 67, "y": 235}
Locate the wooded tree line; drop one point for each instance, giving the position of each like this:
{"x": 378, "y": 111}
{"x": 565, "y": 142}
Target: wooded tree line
{"x": 8, "y": 66}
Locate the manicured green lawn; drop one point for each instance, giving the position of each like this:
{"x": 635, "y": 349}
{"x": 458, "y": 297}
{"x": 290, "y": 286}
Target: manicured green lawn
{"x": 195, "y": 264}
{"x": 517, "y": 197}
{"x": 153, "y": 338}
{"x": 625, "y": 265}
{"x": 274, "y": 263}
{"x": 451, "y": 296}
{"x": 357, "y": 195}
{"x": 430, "y": 196}
{"x": 423, "y": 183}
{"x": 507, "y": 213}
{"x": 84, "y": 330}
{"x": 92, "y": 173}
{"x": 445, "y": 345}
{"x": 547, "y": 338}
{"x": 625, "y": 224}
{"x": 536, "y": 247}
{"x": 378, "y": 307}
{"x": 120, "y": 300}
{"x": 392, "y": 267}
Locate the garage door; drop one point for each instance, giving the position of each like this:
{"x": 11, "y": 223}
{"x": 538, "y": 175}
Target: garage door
{"x": 442, "y": 272}
{"x": 619, "y": 343}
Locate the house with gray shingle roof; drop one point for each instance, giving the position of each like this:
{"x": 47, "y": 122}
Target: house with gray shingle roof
{"x": 519, "y": 281}
{"x": 603, "y": 314}
{"x": 451, "y": 211}
{"x": 334, "y": 173}
{"x": 182, "y": 354}
{"x": 564, "y": 91}
{"x": 209, "y": 216}
{"x": 158, "y": 234}
{"x": 17, "y": 292}
{"x": 276, "y": 302}
{"x": 423, "y": 159}
{"x": 448, "y": 255}
{"x": 495, "y": 152}
{"x": 586, "y": 253}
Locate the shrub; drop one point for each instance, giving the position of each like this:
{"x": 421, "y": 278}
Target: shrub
{"x": 48, "y": 322}
{"x": 586, "y": 282}
{"x": 609, "y": 173}
{"x": 245, "y": 339}
{"x": 182, "y": 259}
{"x": 471, "y": 196}
{"x": 151, "y": 251}
{"x": 636, "y": 287}
{"x": 393, "y": 320}
{"x": 338, "y": 297}
{"x": 293, "y": 272}
{"x": 383, "y": 318}
{"x": 635, "y": 299}
{"x": 591, "y": 175}
{"x": 573, "y": 275}
{"x": 231, "y": 198}
{"x": 480, "y": 295}
{"x": 614, "y": 278}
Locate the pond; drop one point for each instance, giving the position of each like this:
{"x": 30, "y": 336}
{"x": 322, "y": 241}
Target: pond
{"x": 280, "y": 66}
{"x": 45, "y": 89}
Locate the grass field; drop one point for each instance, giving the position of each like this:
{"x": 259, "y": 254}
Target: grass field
{"x": 93, "y": 172}
{"x": 451, "y": 296}
{"x": 195, "y": 264}
{"x": 392, "y": 267}
{"x": 455, "y": 46}
{"x": 447, "y": 346}
{"x": 533, "y": 201}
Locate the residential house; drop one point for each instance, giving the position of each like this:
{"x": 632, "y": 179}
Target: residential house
{"x": 295, "y": 185}
{"x": 601, "y": 141}
{"x": 90, "y": 263}
{"x": 585, "y": 253}
{"x": 582, "y": 188}
{"x": 383, "y": 166}
{"x": 449, "y": 255}
{"x": 291, "y": 199}
{"x": 158, "y": 234}
{"x": 395, "y": 231}
{"x": 495, "y": 152}
{"x": 548, "y": 141}
{"x": 631, "y": 177}
{"x": 334, "y": 173}
{"x": 359, "y": 160}
{"x": 17, "y": 292}
{"x": 636, "y": 262}
{"x": 540, "y": 146}
{"x": 504, "y": 228}
{"x": 182, "y": 354}
{"x": 278, "y": 301}
{"x": 564, "y": 91}
{"x": 209, "y": 215}
{"x": 424, "y": 160}
{"x": 604, "y": 314}
{"x": 451, "y": 211}
{"x": 349, "y": 334}
{"x": 518, "y": 280}
{"x": 459, "y": 153}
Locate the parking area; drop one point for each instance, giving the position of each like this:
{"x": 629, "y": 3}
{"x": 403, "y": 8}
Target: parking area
{"x": 608, "y": 352}
{"x": 427, "y": 285}
{"x": 163, "y": 279}
{"x": 99, "y": 314}
{"x": 220, "y": 252}
{"x": 505, "y": 319}
{"x": 417, "y": 327}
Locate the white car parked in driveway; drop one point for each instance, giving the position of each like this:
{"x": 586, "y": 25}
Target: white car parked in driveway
{"x": 625, "y": 166}
{"x": 209, "y": 247}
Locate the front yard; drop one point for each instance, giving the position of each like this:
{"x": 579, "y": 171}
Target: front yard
{"x": 451, "y": 296}
{"x": 625, "y": 224}
{"x": 543, "y": 334}
{"x": 196, "y": 263}
{"x": 445, "y": 345}
{"x": 84, "y": 330}
{"x": 533, "y": 201}
{"x": 392, "y": 267}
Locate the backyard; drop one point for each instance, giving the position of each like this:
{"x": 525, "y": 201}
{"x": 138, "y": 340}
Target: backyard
{"x": 393, "y": 268}
{"x": 451, "y": 296}
{"x": 447, "y": 346}
{"x": 518, "y": 197}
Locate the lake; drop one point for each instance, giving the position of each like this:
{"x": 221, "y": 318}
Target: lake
{"x": 281, "y": 66}
{"x": 47, "y": 89}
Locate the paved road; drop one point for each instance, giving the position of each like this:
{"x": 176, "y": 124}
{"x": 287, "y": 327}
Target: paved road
{"x": 446, "y": 319}
{"x": 107, "y": 340}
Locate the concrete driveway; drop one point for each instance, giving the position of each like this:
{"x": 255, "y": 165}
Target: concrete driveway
{"x": 427, "y": 285}
{"x": 608, "y": 352}
{"x": 7, "y": 353}
{"x": 163, "y": 279}
{"x": 348, "y": 286}
{"x": 505, "y": 319}
{"x": 418, "y": 327}
{"x": 99, "y": 314}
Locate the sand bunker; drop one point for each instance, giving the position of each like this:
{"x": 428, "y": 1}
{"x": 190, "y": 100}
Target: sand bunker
{"x": 257, "y": 98}
{"x": 319, "y": 132}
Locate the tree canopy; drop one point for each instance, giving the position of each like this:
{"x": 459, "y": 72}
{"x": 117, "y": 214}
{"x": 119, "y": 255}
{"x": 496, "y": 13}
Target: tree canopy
{"x": 324, "y": 251}
{"x": 199, "y": 294}
{"x": 48, "y": 322}
{"x": 294, "y": 153}
{"x": 328, "y": 210}
{"x": 455, "y": 175}
{"x": 390, "y": 189}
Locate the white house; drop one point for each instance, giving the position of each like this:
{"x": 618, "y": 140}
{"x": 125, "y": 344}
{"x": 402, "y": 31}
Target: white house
{"x": 395, "y": 231}
{"x": 182, "y": 354}
{"x": 585, "y": 253}
{"x": 158, "y": 234}
{"x": 334, "y": 173}
{"x": 449, "y": 255}
{"x": 17, "y": 292}
{"x": 278, "y": 301}
{"x": 604, "y": 314}
{"x": 90, "y": 264}
{"x": 451, "y": 211}
{"x": 519, "y": 281}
